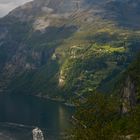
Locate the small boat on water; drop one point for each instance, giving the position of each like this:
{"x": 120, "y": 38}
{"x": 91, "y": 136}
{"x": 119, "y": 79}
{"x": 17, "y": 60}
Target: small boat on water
{"x": 37, "y": 134}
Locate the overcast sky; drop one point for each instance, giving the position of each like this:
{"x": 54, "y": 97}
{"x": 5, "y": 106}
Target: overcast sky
{"x": 7, "y": 5}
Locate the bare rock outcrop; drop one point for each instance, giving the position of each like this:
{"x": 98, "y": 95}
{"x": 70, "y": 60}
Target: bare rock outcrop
{"x": 128, "y": 96}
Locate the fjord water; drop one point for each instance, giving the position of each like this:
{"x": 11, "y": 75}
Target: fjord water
{"x": 20, "y": 114}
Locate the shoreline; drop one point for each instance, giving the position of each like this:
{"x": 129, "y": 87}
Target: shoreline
{"x": 60, "y": 100}
{"x": 64, "y": 102}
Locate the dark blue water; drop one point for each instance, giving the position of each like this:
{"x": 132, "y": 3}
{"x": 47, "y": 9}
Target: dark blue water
{"x": 20, "y": 114}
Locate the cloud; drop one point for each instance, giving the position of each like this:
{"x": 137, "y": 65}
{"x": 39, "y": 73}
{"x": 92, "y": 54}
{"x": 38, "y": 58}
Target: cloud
{"x": 7, "y": 5}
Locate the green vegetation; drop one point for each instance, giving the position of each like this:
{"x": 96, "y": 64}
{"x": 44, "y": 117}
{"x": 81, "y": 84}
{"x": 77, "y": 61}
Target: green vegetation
{"x": 86, "y": 61}
{"x": 69, "y": 58}
{"x": 38, "y": 82}
{"x": 77, "y": 54}
{"x": 94, "y": 66}
{"x": 134, "y": 72}
{"x": 99, "y": 118}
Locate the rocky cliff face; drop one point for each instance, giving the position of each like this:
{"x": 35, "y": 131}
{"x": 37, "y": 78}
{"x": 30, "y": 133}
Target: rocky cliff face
{"x": 129, "y": 96}
{"x": 131, "y": 89}
{"x": 126, "y": 13}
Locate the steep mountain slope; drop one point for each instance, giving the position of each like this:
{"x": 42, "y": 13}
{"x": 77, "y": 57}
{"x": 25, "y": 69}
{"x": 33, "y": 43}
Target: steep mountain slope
{"x": 130, "y": 83}
{"x": 62, "y": 47}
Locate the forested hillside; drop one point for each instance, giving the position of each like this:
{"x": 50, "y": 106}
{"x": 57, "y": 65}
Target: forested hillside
{"x": 111, "y": 117}
{"x": 65, "y": 49}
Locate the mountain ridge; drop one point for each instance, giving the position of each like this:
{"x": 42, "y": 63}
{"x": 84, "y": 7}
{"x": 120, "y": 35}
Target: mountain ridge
{"x": 51, "y": 48}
